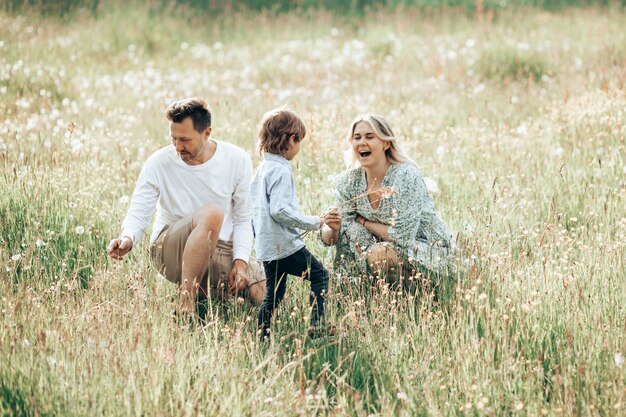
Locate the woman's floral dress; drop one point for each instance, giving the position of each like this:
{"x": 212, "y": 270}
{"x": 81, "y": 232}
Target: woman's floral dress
{"x": 416, "y": 230}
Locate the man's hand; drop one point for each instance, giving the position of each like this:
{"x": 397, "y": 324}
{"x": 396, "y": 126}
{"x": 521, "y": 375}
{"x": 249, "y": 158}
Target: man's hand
{"x": 119, "y": 247}
{"x": 238, "y": 277}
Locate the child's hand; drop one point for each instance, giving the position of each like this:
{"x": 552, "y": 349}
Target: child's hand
{"x": 332, "y": 218}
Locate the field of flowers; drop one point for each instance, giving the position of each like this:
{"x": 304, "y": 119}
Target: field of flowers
{"x": 519, "y": 117}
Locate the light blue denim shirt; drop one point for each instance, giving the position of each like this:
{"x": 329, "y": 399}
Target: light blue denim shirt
{"x": 277, "y": 219}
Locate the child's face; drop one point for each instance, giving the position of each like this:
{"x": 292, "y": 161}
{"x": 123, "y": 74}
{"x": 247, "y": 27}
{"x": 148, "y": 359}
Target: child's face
{"x": 293, "y": 149}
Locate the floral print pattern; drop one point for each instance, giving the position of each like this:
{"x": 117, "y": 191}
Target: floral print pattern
{"x": 416, "y": 230}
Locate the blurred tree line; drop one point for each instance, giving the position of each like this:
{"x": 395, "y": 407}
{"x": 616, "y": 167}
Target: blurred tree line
{"x": 67, "y": 7}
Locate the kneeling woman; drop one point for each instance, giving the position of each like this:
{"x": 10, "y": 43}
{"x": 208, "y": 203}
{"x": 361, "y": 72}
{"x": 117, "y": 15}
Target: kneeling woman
{"x": 388, "y": 221}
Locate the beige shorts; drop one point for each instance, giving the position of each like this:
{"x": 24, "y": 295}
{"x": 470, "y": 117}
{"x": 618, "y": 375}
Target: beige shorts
{"x": 167, "y": 255}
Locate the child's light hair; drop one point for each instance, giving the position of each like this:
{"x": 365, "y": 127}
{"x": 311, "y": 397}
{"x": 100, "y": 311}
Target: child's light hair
{"x": 275, "y": 129}
{"x": 382, "y": 129}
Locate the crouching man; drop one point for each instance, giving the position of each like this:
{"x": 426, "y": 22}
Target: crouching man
{"x": 202, "y": 234}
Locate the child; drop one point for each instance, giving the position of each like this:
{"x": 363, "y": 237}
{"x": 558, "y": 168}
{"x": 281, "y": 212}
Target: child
{"x": 277, "y": 218}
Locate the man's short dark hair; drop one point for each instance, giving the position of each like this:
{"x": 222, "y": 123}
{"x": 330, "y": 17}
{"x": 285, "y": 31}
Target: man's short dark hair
{"x": 276, "y": 128}
{"x": 193, "y": 107}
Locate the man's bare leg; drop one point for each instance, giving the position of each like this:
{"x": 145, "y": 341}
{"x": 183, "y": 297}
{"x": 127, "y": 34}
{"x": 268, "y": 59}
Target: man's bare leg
{"x": 200, "y": 246}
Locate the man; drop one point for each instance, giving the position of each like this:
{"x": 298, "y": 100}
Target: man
{"x": 202, "y": 234}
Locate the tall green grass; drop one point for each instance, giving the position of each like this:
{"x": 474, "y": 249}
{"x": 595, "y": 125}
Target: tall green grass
{"x": 518, "y": 117}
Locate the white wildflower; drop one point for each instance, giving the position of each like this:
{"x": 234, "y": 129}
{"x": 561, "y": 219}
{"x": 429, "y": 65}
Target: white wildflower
{"x": 16, "y": 257}
{"x": 76, "y": 144}
{"x": 431, "y": 185}
{"x": 478, "y": 89}
{"x": 23, "y": 103}
{"x": 39, "y": 243}
{"x": 79, "y": 230}
{"x": 578, "y": 63}
{"x": 558, "y": 152}
{"x": 522, "y": 130}
{"x": 619, "y": 359}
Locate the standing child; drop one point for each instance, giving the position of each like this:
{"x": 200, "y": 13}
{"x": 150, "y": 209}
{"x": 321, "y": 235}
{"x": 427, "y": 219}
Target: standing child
{"x": 277, "y": 220}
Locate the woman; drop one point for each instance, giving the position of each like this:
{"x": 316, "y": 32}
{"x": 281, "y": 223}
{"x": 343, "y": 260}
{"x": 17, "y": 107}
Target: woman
{"x": 388, "y": 221}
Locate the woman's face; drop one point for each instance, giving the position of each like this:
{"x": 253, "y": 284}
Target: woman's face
{"x": 367, "y": 146}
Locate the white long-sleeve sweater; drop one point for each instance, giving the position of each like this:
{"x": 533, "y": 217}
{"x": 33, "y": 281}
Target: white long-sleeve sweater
{"x": 177, "y": 189}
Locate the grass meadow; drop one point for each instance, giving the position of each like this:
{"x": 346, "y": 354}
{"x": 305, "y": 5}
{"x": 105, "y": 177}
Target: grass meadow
{"x": 518, "y": 115}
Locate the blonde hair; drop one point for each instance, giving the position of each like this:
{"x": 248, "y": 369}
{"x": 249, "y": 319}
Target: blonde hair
{"x": 382, "y": 129}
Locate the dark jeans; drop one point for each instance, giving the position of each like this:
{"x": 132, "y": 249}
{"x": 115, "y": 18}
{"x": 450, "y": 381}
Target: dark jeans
{"x": 300, "y": 264}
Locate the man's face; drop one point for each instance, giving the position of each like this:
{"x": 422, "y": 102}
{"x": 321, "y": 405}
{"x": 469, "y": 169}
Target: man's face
{"x": 190, "y": 144}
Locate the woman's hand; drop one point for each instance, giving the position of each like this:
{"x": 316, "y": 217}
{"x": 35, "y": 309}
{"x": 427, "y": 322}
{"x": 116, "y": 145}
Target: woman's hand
{"x": 378, "y": 229}
{"x": 361, "y": 220}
